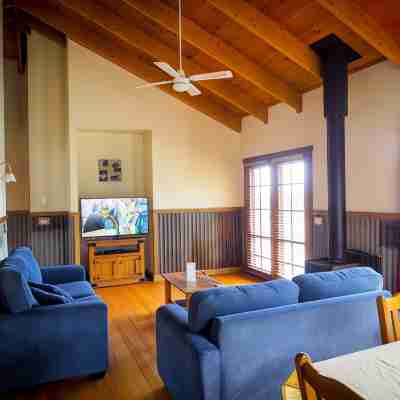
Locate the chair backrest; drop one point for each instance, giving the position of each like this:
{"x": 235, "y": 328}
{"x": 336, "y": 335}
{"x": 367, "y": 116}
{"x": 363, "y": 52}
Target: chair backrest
{"x": 388, "y": 311}
{"x": 322, "y": 386}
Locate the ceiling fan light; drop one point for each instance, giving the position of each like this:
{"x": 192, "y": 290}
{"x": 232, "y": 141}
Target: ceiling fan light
{"x": 10, "y": 178}
{"x": 180, "y": 87}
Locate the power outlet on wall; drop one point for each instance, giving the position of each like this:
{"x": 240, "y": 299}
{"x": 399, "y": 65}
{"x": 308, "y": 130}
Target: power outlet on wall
{"x": 318, "y": 220}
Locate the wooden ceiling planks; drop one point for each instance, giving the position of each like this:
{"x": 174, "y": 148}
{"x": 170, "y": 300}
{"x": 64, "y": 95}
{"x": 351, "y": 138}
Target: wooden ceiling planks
{"x": 87, "y": 34}
{"x": 271, "y": 32}
{"x": 131, "y": 35}
{"x": 304, "y": 21}
{"x": 219, "y": 50}
{"x": 365, "y": 25}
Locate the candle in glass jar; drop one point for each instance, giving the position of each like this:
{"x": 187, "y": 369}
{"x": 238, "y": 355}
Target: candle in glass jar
{"x": 191, "y": 272}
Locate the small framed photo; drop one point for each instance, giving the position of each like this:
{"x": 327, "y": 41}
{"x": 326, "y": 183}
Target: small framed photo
{"x": 110, "y": 170}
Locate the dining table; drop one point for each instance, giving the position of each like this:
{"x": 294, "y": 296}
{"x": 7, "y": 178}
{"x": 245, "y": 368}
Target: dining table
{"x": 374, "y": 373}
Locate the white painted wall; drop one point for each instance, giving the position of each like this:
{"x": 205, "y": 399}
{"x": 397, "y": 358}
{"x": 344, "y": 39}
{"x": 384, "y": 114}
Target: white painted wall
{"x": 373, "y": 139}
{"x": 125, "y": 146}
{"x": 196, "y": 161}
{"x": 48, "y": 144}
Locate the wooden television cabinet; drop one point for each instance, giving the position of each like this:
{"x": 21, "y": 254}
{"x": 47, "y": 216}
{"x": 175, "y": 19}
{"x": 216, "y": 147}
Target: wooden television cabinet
{"x": 116, "y": 262}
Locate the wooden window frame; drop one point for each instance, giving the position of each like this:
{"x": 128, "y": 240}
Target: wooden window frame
{"x": 307, "y": 154}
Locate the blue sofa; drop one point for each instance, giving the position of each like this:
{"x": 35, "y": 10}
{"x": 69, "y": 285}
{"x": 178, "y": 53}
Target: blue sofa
{"x": 45, "y": 336}
{"x": 239, "y": 343}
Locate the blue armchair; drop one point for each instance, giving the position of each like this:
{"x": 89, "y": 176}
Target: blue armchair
{"x": 44, "y": 343}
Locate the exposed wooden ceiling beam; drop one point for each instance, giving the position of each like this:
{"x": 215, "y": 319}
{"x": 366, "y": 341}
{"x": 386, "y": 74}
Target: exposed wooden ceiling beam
{"x": 271, "y": 33}
{"x": 116, "y": 25}
{"x": 80, "y": 31}
{"x": 219, "y": 50}
{"x": 364, "y": 25}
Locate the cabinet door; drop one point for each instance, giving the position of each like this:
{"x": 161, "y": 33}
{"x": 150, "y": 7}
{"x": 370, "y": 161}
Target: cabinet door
{"x": 124, "y": 267}
{"x": 103, "y": 270}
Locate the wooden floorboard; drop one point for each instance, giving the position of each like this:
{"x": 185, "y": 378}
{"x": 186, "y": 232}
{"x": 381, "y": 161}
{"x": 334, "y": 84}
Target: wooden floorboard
{"x": 132, "y": 373}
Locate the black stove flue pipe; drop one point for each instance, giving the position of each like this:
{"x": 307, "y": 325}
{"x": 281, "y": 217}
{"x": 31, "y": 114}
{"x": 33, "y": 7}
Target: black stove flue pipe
{"x": 335, "y": 56}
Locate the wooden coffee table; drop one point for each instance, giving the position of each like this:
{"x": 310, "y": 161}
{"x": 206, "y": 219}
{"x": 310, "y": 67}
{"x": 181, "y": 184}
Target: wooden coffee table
{"x": 178, "y": 280}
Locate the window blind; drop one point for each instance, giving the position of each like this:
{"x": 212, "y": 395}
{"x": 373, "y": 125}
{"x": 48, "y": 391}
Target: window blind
{"x": 278, "y": 201}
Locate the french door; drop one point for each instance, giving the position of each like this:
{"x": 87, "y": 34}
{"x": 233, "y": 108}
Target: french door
{"x": 278, "y": 201}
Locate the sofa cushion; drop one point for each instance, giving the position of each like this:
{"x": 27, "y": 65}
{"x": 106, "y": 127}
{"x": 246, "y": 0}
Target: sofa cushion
{"x": 23, "y": 261}
{"x": 216, "y": 302}
{"x": 15, "y": 293}
{"x": 323, "y": 285}
{"x": 78, "y": 289}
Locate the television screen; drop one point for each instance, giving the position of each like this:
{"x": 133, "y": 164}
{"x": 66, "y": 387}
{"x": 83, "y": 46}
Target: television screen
{"x": 114, "y": 217}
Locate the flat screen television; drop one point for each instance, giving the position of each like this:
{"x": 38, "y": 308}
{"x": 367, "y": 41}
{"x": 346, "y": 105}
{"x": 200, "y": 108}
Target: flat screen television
{"x": 113, "y": 217}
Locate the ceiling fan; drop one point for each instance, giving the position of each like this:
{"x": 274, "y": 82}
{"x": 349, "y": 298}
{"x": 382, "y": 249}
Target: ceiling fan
{"x": 182, "y": 83}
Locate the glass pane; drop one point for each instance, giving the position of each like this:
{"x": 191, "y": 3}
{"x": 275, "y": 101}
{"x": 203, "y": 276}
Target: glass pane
{"x": 298, "y": 227}
{"x": 298, "y": 197}
{"x": 255, "y": 197}
{"x": 265, "y": 197}
{"x": 299, "y": 254}
{"x": 297, "y": 271}
{"x": 285, "y": 250}
{"x": 265, "y": 223}
{"x": 256, "y": 176}
{"x": 297, "y": 171}
{"x": 266, "y": 264}
{"x": 286, "y": 270}
{"x": 255, "y": 246}
{"x": 285, "y": 225}
{"x": 257, "y": 224}
{"x": 265, "y": 175}
{"x": 252, "y": 221}
{"x": 285, "y": 198}
{"x": 257, "y": 262}
{"x": 284, "y": 173}
{"x": 266, "y": 247}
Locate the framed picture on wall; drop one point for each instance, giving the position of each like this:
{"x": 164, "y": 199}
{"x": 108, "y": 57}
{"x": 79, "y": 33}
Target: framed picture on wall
{"x": 110, "y": 170}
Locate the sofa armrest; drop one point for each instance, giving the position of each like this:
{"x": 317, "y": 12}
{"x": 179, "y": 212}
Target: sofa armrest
{"x": 55, "y": 342}
{"x": 63, "y": 274}
{"x": 188, "y": 363}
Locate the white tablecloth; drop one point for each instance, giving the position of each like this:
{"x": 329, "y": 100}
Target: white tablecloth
{"x": 374, "y": 373}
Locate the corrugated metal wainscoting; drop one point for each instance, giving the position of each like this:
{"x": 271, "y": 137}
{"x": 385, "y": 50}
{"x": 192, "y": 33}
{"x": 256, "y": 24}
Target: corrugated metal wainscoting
{"x": 51, "y": 243}
{"x": 211, "y": 238}
{"x": 374, "y": 233}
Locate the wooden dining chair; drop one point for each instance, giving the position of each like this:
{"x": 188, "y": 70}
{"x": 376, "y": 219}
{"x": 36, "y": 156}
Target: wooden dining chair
{"x": 388, "y": 311}
{"x": 323, "y": 387}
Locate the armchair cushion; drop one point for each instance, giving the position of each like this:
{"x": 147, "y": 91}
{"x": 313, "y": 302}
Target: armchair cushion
{"x": 48, "y": 298}
{"x": 15, "y": 293}
{"x": 22, "y": 260}
{"x": 47, "y": 294}
{"x": 323, "y": 285}
{"x": 77, "y": 290}
{"x": 63, "y": 274}
{"x": 209, "y": 304}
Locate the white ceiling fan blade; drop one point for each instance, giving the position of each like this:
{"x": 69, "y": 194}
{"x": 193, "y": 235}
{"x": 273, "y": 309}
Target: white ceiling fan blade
{"x": 167, "y": 69}
{"x": 146, "y": 85}
{"x": 193, "y": 91}
{"x": 211, "y": 75}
